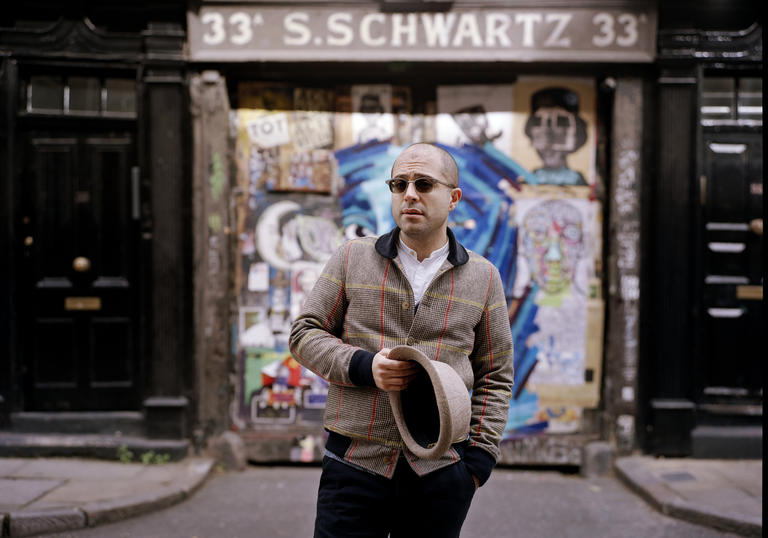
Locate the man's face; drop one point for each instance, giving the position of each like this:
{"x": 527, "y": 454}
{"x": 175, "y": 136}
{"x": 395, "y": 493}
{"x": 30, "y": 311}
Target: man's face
{"x": 422, "y": 217}
{"x": 553, "y": 134}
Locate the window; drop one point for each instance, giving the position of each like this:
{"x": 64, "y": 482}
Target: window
{"x": 79, "y": 96}
{"x": 45, "y": 94}
{"x": 732, "y": 101}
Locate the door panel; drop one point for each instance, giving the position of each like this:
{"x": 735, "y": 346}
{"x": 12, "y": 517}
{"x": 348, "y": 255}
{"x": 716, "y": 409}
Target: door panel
{"x": 81, "y": 311}
{"x": 55, "y": 165}
{"x": 111, "y": 352}
{"x": 731, "y": 332}
{"x": 111, "y": 200}
{"x": 55, "y": 353}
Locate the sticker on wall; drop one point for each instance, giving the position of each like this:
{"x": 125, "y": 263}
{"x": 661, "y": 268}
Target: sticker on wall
{"x": 282, "y": 151}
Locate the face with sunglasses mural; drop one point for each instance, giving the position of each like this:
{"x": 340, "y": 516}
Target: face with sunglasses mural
{"x": 425, "y": 190}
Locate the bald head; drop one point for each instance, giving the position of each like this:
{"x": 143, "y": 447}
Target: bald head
{"x": 431, "y": 152}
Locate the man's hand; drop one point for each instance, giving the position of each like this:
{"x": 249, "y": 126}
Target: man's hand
{"x": 392, "y": 375}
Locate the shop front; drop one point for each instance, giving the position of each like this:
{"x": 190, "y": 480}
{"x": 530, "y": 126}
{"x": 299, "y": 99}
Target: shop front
{"x": 299, "y": 110}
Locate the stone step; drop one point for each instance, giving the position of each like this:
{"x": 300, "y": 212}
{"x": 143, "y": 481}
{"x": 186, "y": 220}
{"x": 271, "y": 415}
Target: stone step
{"x": 109, "y": 447}
{"x": 130, "y": 423}
{"x": 727, "y": 442}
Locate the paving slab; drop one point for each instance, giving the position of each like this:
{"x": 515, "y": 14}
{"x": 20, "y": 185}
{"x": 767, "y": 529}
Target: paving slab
{"x": 16, "y": 493}
{"x": 77, "y": 493}
{"x": 68, "y": 468}
{"x": 9, "y": 465}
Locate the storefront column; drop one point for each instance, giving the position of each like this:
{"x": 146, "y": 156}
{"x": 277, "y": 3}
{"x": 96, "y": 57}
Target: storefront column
{"x": 164, "y": 140}
{"x": 212, "y": 244}
{"x": 667, "y": 370}
{"x": 622, "y": 323}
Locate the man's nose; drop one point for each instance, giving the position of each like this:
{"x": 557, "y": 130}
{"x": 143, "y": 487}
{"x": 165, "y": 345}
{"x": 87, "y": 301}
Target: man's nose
{"x": 410, "y": 191}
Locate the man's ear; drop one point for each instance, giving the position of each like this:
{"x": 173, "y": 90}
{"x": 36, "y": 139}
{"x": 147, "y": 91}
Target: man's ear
{"x": 455, "y": 197}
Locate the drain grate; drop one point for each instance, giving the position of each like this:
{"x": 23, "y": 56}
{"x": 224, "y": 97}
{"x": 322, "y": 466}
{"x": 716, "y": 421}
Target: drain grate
{"x": 682, "y": 476}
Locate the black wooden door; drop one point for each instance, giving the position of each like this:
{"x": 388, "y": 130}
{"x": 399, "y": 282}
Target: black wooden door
{"x": 730, "y": 308}
{"x": 79, "y": 272}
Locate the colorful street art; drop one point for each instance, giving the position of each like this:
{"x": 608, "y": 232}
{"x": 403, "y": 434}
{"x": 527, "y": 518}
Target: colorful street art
{"x": 530, "y": 211}
{"x": 553, "y": 130}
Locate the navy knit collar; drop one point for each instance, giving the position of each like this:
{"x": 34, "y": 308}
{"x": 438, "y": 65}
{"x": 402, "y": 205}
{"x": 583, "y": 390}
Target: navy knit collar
{"x": 386, "y": 245}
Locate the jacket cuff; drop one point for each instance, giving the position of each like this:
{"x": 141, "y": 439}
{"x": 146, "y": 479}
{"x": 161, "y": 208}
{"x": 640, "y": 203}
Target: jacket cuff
{"x": 361, "y": 368}
{"x": 479, "y": 462}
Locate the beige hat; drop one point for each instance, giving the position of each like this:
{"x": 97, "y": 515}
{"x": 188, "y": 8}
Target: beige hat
{"x": 433, "y": 412}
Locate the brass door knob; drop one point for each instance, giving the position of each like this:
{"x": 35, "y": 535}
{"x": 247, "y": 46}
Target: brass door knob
{"x": 81, "y": 264}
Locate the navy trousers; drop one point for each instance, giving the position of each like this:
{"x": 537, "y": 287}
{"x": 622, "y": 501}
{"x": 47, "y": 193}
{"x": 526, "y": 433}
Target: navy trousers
{"x": 355, "y": 503}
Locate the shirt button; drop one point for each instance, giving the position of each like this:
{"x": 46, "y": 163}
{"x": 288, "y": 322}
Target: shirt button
{"x": 411, "y": 341}
{"x": 406, "y": 304}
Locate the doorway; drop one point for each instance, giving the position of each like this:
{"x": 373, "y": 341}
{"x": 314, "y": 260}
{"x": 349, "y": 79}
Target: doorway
{"x": 79, "y": 268}
{"x": 730, "y": 303}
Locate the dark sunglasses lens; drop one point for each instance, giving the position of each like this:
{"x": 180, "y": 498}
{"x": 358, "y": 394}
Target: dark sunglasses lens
{"x": 423, "y": 185}
{"x": 398, "y": 185}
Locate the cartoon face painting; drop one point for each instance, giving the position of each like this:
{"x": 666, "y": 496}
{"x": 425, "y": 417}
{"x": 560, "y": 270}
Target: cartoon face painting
{"x": 553, "y": 133}
{"x": 556, "y": 130}
{"x": 552, "y": 240}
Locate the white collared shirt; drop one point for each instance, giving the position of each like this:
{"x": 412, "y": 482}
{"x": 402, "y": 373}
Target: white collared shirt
{"x": 421, "y": 273}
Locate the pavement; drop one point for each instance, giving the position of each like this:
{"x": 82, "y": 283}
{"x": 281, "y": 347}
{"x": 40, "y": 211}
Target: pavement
{"x": 723, "y": 494}
{"x": 46, "y": 495}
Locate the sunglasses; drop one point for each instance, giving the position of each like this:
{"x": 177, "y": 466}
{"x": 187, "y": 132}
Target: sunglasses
{"x": 423, "y": 184}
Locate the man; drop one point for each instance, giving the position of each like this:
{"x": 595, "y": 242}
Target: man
{"x": 416, "y": 286}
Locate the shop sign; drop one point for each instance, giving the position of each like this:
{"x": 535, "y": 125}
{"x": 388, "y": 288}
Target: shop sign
{"x": 312, "y": 33}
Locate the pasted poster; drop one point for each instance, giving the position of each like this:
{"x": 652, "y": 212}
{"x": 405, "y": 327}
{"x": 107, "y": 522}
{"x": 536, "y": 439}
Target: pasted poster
{"x": 554, "y": 129}
{"x": 475, "y": 114}
{"x": 284, "y": 242}
{"x": 286, "y": 151}
{"x": 542, "y": 232}
{"x": 555, "y": 255}
{"x": 372, "y": 117}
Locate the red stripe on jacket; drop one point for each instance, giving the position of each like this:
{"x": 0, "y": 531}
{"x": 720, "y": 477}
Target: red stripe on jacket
{"x": 445, "y": 321}
{"x": 490, "y": 356}
{"x": 381, "y": 308}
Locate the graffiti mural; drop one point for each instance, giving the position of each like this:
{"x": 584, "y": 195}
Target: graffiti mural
{"x": 527, "y": 206}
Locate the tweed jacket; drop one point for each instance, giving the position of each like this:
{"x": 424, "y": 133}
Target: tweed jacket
{"x": 362, "y": 303}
